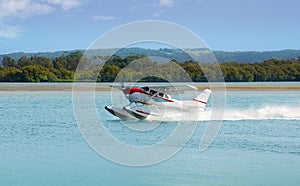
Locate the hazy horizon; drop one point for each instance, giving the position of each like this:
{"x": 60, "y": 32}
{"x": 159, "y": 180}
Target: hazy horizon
{"x": 77, "y": 49}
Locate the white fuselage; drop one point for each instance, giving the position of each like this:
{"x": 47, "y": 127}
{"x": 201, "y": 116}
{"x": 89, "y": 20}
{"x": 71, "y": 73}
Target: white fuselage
{"x": 162, "y": 102}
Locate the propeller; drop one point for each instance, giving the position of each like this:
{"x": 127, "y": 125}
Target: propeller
{"x": 123, "y": 88}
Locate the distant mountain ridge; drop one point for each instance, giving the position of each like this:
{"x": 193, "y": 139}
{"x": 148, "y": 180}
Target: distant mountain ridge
{"x": 255, "y": 56}
{"x": 222, "y": 56}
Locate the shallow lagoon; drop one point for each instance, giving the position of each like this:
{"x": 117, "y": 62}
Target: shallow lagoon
{"x": 258, "y": 144}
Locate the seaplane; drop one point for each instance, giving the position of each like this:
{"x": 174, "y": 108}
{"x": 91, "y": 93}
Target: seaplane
{"x": 145, "y": 101}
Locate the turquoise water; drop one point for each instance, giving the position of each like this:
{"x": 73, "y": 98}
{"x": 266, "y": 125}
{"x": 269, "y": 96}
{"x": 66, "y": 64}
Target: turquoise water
{"x": 258, "y": 144}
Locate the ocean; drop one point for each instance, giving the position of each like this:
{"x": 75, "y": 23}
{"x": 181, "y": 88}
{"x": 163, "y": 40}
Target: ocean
{"x": 257, "y": 144}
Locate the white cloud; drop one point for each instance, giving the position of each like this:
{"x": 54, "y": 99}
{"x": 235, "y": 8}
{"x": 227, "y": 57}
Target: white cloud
{"x": 105, "y": 18}
{"x": 26, "y": 8}
{"x": 65, "y": 4}
{"x": 22, "y": 9}
{"x": 9, "y": 31}
{"x": 166, "y": 3}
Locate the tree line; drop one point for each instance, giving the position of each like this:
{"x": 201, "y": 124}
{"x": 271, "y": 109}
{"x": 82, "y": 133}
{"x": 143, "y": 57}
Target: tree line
{"x": 63, "y": 68}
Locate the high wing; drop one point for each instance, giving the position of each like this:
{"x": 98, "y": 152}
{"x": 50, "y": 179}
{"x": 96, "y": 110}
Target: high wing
{"x": 171, "y": 89}
{"x": 159, "y": 88}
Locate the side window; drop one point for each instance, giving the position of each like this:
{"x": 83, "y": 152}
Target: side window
{"x": 152, "y": 92}
{"x": 146, "y": 88}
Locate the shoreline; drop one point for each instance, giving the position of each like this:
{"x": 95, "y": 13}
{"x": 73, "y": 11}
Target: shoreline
{"x": 68, "y": 87}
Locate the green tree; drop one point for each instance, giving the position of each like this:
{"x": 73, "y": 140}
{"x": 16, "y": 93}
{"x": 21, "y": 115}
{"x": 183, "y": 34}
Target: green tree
{"x": 42, "y": 61}
{"x": 8, "y": 62}
{"x": 108, "y": 73}
{"x": 11, "y": 75}
{"x": 24, "y": 61}
{"x": 35, "y": 73}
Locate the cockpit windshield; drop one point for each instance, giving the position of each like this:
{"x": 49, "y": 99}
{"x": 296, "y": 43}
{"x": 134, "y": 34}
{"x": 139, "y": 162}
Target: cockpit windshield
{"x": 145, "y": 88}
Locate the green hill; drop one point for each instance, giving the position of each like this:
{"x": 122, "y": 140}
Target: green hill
{"x": 222, "y": 56}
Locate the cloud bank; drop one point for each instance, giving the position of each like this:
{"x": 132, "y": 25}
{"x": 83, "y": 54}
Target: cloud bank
{"x": 23, "y": 9}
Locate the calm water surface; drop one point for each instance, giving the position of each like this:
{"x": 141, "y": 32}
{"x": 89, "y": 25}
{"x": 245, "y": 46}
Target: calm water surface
{"x": 258, "y": 144}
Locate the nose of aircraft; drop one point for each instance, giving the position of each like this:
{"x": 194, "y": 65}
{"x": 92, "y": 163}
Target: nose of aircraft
{"x": 133, "y": 97}
{"x": 127, "y": 90}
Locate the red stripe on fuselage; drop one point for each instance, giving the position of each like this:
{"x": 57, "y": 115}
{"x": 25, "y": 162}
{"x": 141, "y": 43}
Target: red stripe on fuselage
{"x": 164, "y": 98}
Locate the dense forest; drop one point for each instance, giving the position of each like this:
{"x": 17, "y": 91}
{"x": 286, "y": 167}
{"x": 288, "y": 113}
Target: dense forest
{"x": 62, "y": 69}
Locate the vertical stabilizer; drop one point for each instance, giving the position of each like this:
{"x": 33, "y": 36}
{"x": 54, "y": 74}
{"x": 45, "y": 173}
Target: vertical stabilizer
{"x": 203, "y": 97}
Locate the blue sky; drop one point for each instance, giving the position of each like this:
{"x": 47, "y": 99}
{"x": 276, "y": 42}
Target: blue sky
{"x": 230, "y": 25}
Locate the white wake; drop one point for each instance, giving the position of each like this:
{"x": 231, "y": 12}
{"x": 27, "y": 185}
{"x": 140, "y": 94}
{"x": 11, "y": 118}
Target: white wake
{"x": 263, "y": 113}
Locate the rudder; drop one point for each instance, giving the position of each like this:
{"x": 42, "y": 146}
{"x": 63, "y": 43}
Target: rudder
{"x": 203, "y": 96}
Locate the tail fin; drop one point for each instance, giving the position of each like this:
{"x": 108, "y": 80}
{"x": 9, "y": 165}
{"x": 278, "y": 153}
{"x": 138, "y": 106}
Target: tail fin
{"x": 203, "y": 97}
